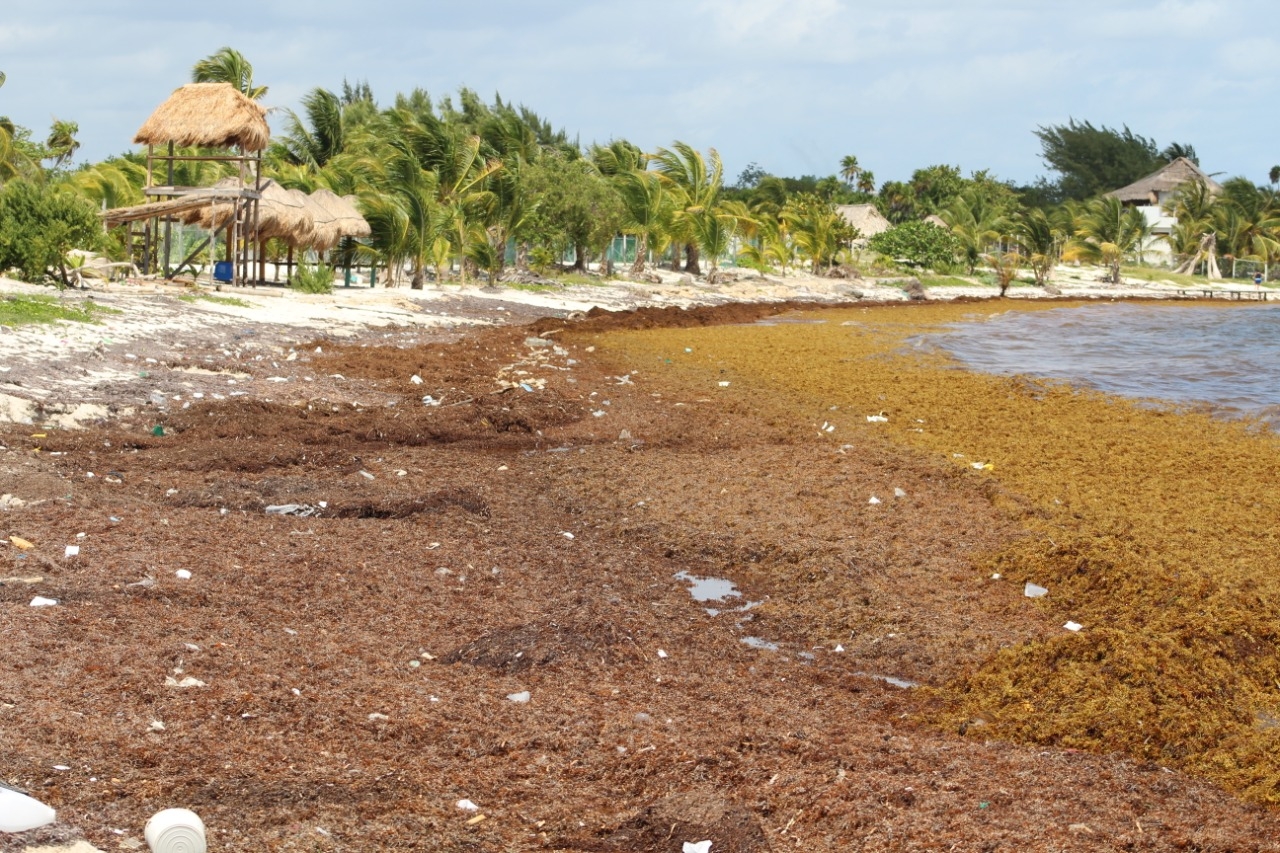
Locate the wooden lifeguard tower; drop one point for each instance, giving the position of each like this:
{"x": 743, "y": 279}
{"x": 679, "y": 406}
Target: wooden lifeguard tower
{"x": 232, "y": 129}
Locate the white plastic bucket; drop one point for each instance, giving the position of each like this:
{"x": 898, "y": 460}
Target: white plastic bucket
{"x": 175, "y": 831}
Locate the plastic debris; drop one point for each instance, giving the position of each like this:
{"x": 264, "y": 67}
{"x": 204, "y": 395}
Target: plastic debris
{"x": 838, "y": 648}
{"x": 183, "y": 574}
{"x": 175, "y": 831}
{"x": 1073, "y": 626}
{"x": 430, "y": 401}
{"x": 1032, "y": 590}
{"x": 567, "y": 535}
{"x": 874, "y": 500}
{"x": 415, "y": 379}
{"x": 157, "y": 430}
{"x": 72, "y": 551}
{"x": 899, "y": 493}
{"x": 41, "y": 601}
{"x": 19, "y": 813}
{"x": 724, "y": 384}
{"x": 661, "y": 653}
{"x": 170, "y": 681}
{"x": 367, "y": 475}
{"x": 375, "y": 717}
{"x": 19, "y": 542}
{"x": 521, "y": 698}
{"x": 477, "y": 819}
{"x": 881, "y": 418}
{"x": 982, "y": 466}
{"x": 467, "y": 806}
{"x": 156, "y": 726}
{"x": 696, "y": 847}
{"x": 303, "y": 510}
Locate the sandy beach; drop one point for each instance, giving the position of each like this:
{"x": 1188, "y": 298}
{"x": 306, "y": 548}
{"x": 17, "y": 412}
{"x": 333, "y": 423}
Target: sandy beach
{"x": 617, "y": 567}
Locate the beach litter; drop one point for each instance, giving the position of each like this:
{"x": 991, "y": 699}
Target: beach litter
{"x": 521, "y": 698}
{"x": 175, "y": 831}
{"x": 881, "y": 418}
{"x": 170, "y": 681}
{"x": 302, "y": 510}
{"x": 72, "y": 551}
{"x": 41, "y": 601}
{"x": 1073, "y": 626}
{"x": 20, "y": 813}
{"x": 21, "y": 543}
{"x": 1032, "y": 590}
{"x": 467, "y": 806}
{"x": 696, "y": 847}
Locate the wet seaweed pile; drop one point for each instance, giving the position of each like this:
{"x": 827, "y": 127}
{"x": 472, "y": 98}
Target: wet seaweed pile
{"x": 1156, "y": 531}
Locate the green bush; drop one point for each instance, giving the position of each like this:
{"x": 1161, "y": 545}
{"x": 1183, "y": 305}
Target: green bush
{"x": 917, "y": 243}
{"x": 316, "y": 278}
{"x": 39, "y": 225}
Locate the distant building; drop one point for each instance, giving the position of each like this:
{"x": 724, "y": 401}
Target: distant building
{"x": 1150, "y": 194}
{"x": 866, "y": 218}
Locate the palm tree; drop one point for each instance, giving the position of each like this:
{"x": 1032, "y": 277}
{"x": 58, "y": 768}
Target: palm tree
{"x": 1107, "y": 231}
{"x": 816, "y": 227}
{"x": 976, "y": 222}
{"x": 849, "y": 169}
{"x": 1274, "y": 174}
{"x": 1038, "y": 240}
{"x": 228, "y": 65}
{"x": 318, "y": 139}
{"x": 62, "y": 142}
{"x": 695, "y": 185}
{"x": 866, "y": 181}
{"x": 647, "y": 212}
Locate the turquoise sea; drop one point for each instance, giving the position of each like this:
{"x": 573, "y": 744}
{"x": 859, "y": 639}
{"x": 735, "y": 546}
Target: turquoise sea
{"x": 1227, "y": 358}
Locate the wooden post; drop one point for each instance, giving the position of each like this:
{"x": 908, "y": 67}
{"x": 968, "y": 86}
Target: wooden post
{"x": 168, "y": 222}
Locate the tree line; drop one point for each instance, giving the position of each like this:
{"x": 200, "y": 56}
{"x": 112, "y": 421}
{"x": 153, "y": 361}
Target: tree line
{"x": 448, "y": 185}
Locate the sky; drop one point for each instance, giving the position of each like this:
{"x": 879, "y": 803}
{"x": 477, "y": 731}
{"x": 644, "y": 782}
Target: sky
{"x": 790, "y": 85}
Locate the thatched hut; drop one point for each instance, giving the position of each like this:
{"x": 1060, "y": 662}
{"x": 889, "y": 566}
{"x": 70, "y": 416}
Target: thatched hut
{"x": 339, "y": 219}
{"x": 866, "y": 218}
{"x": 1157, "y": 187}
{"x": 207, "y": 115}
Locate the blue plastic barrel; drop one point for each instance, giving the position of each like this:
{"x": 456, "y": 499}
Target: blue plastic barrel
{"x": 222, "y": 271}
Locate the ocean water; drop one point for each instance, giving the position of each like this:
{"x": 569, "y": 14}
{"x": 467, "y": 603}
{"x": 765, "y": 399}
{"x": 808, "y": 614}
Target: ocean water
{"x": 1227, "y": 358}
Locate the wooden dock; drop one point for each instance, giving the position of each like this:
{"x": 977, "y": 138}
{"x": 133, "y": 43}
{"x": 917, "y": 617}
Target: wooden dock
{"x": 1214, "y": 293}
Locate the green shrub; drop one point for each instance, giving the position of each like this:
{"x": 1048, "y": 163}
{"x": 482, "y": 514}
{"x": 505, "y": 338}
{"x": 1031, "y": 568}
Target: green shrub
{"x": 918, "y": 243}
{"x": 39, "y": 225}
{"x": 316, "y": 278}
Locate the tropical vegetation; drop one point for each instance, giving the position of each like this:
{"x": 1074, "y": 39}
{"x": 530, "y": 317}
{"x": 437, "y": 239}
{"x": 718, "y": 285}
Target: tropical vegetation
{"x": 457, "y": 188}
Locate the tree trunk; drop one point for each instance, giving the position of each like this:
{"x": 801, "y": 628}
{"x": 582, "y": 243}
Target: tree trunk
{"x": 642, "y": 246}
{"x": 691, "y": 264}
{"x": 579, "y": 258}
{"x": 418, "y": 277}
{"x": 522, "y": 256}
{"x": 675, "y": 256}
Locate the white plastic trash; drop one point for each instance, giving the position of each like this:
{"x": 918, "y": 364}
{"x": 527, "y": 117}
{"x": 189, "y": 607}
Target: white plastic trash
{"x": 1032, "y": 590}
{"x": 41, "y": 601}
{"x": 18, "y": 812}
{"x": 175, "y": 831}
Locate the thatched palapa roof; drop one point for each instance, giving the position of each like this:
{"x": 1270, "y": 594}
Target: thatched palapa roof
{"x": 209, "y": 115}
{"x": 1165, "y": 180}
{"x": 866, "y": 218}
{"x": 335, "y": 218}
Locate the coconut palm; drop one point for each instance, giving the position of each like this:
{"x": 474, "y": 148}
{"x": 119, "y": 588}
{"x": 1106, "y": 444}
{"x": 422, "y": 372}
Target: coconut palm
{"x": 319, "y": 138}
{"x": 976, "y": 222}
{"x": 228, "y": 65}
{"x": 1106, "y": 231}
{"x": 695, "y": 184}
{"x": 817, "y": 228}
{"x": 866, "y": 181}
{"x": 647, "y": 210}
{"x": 1038, "y": 240}
{"x": 62, "y": 143}
{"x": 116, "y": 182}
{"x": 849, "y": 169}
